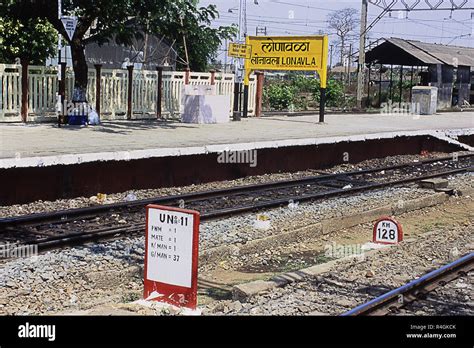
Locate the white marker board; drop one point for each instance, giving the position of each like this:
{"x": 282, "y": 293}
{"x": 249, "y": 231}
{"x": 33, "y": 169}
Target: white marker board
{"x": 170, "y": 247}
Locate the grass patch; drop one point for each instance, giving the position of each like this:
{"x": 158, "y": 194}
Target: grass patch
{"x": 131, "y": 297}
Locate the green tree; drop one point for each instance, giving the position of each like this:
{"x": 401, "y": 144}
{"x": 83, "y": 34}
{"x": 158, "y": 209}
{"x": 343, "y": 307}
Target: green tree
{"x": 33, "y": 40}
{"x": 202, "y": 41}
{"x": 123, "y": 20}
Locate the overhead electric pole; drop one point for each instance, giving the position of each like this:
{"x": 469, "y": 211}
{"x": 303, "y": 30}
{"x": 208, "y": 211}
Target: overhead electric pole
{"x": 60, "y": 77}
{"x": 239, "y": 66}
{"x": 361, "y": 65}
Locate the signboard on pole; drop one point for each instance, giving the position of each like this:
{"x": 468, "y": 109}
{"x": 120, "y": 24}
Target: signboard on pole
{"x": 239, "y": 50}
{"x": 306, "y": 53}
{"x": 171, "y": 255}
{"x": 387, "y": 231}
{"x": 70, "y": 24}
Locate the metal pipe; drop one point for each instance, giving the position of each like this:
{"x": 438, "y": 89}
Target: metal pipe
{"x": 159, "y": 92}
{"x": 368, "y": 86}
{"x": 24, "y": 89}
{"x": 380, "y": 85}
{"x": 98, "y": 87}
{"x": 62, "y": 95}
{"x": 246, "y": 101}
{"x": 60, "y": 78}
{"x": 130, "y": 91}
{"x": 391, "y": 82}
{"x": 401, "y": 85}
{"x": 322, "y": 104}
{"x": 236, "y": 114}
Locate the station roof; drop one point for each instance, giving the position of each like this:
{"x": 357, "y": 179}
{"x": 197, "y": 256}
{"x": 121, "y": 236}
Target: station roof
{"x": 409, "y": 52}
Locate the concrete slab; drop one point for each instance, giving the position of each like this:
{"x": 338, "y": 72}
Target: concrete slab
{"x": 242, "y": 292}
{"x": 44, "y": 145}
{"x": 435, "y": 183}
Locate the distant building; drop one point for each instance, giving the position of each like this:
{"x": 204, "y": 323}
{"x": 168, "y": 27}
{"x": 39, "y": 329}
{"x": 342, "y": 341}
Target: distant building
{"x": 450, "y": 68}
{"x": 147, "y": 54}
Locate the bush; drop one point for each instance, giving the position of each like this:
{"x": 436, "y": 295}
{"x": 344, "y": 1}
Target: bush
{"x": 280, "y": 96}
{"x": 297, "y": 93}
{"x": 305, "y": 83}
{"x": 334, "y": 93}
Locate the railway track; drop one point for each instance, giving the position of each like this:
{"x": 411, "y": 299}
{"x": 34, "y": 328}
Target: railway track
{"x": 56, "y": 229}
{"x": 396, "y": 299}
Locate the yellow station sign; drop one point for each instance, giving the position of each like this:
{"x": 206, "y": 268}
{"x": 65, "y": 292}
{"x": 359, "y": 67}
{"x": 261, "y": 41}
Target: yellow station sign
{"x": 307, "y": 53}
{"x": 239, "y": 50}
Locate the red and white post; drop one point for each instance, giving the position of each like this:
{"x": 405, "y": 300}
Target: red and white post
{"x": 171, "y": 255}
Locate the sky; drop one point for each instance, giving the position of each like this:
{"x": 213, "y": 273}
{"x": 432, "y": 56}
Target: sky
{"x": 303, "y": 17}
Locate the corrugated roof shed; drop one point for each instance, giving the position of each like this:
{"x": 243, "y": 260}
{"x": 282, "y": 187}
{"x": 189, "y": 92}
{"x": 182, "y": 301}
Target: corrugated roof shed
{"x": 409, "y": 52}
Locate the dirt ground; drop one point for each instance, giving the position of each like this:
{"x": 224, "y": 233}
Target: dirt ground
{"x": 453, "y": 214}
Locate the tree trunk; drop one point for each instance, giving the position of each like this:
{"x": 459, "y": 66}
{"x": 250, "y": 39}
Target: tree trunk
{"x": 342, "y": 51}
{"x": 79, "y": 63}
{"x": 342, "y": 58}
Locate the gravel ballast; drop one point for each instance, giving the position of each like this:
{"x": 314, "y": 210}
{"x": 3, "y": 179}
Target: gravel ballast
{"x": 61, "y": 279}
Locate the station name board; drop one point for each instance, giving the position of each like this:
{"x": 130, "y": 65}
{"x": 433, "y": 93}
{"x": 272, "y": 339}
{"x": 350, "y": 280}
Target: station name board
{"x": 305, "y": 53}
{"x": 287, "y": 53}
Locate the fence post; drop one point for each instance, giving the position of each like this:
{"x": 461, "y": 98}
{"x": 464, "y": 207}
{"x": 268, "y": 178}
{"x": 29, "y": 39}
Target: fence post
{"x": 159, "y": 93}
{"x": 2, "y": 105}
{"x": 62, "y": 93}
{"x": 130, "y": 90}
{"x": 98, "y": 88}
{"x": 213, "y": 77}
{"x": 259, "y": 94}
{"x": 186, "y": 76}
{"x": 245, "y": 113}
{"x": 24, "y": 90}
{"x": 236, "y": 108}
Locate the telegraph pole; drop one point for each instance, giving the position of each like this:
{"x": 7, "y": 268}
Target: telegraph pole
{"x": 361, "y": 65}
{"x": 239, "y": 68}
{"x": 330, "y": 58}
{"x": 60, "y": 77}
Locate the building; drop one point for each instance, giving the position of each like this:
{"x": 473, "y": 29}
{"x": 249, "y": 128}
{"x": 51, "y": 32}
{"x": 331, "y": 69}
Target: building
{"x": 147, "y": 53}
{"x": 450, "y": 68}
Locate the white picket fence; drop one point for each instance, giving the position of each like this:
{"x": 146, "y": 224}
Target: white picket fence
{"x": 43, "y": 89}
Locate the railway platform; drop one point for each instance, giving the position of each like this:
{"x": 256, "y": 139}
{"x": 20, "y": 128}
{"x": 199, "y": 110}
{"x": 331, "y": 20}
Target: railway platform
{"x": 21, "y": 142}
{"x": 73, "y": 161}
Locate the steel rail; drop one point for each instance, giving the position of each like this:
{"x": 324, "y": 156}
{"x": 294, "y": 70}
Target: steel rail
{"x": 326, "y": 194}
{"x": 76, "y": 237}
{"x": 408, "y": 292}
{"x": 70, "y": 214}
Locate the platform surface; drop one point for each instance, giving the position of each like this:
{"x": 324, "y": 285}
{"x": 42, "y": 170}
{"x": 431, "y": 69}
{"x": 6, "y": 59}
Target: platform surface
{"x": 18, "y": 141}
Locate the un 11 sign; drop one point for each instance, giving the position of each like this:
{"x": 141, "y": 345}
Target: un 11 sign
{"x": 387, "y": 231}
{"x": 171, "y": 255}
